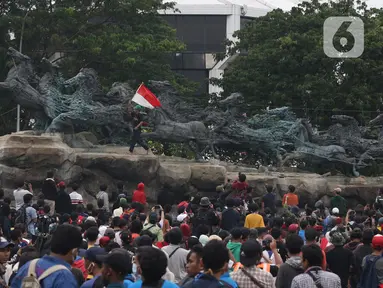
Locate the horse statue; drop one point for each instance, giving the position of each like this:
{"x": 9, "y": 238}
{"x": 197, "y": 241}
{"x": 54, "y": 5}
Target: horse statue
{"x": 193, "y": 133}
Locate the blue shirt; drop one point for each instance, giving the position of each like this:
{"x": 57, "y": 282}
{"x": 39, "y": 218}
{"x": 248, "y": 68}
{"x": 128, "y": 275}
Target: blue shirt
{"x": 31, "y": 214}
{"x": 302, "y": 235}
{"x": 128, "y": 281}
{"x": 226, "y": 277}
{"x": 89, "y": 283}
{"x": 167, "y": 284}
{"x": 59, "y": 279}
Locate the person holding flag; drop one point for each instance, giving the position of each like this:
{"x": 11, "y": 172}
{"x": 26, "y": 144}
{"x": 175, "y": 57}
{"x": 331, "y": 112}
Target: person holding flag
{"x": 144, "y": 98}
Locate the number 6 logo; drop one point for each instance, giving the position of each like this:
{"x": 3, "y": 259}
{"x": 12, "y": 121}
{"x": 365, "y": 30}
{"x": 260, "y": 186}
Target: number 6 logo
{"x": 332, "y": 33}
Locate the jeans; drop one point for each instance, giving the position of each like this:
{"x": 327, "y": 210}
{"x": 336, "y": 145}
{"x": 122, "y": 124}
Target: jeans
{"x": 137, "y": 139}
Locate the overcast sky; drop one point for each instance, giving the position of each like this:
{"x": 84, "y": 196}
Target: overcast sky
{"x": 284, "y": 4}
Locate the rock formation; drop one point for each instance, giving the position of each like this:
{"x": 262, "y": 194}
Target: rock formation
{"x": 26, "y": 156}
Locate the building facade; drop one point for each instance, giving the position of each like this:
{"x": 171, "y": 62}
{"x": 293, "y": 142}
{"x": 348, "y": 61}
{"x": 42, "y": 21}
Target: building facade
{"x": 204, "y": 27}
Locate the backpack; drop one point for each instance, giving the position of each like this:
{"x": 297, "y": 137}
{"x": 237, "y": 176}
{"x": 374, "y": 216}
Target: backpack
{"x": 201, "y": 218}
{"x": 369, "y": 277}
{"x": 31, "y": 280}
{"x": 42, "y": 224}
{"x": 21, "y": 215}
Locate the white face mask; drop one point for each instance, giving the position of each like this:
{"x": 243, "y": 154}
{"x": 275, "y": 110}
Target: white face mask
{"x": 134, "y": 268}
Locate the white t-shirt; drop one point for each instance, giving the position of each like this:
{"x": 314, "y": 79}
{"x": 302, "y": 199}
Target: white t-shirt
{"x": 19, "y": 197}
{"x": 75, "y": 198}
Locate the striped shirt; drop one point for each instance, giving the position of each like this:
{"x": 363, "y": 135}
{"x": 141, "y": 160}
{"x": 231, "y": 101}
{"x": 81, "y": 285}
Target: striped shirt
{"x": 75, "y": 198}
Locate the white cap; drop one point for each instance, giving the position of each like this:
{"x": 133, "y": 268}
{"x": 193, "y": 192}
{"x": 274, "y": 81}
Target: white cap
{"x": 335, "y": 210}
{"x": 90, "y": 218}
{"x": 181, "y": 217}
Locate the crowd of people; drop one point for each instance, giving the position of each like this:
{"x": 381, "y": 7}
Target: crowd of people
{"x": 56, "y": 239}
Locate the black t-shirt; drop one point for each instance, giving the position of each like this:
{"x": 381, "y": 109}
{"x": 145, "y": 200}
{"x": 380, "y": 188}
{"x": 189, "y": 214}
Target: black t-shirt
{"x": 137, "y": 120}
{"x": 230, "y": 219}
{"x": 269, "y": 201}
{"x": 282, "y": 250}
{"x": 339, "y": 260}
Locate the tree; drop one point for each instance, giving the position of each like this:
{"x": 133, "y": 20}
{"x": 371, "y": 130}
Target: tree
{"x": 124, "y": 40}
{"x": 7, "y": 105}
{"x": 284, "y": 63}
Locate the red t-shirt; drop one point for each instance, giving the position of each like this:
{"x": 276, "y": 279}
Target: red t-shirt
{"x": 239, "y": 186}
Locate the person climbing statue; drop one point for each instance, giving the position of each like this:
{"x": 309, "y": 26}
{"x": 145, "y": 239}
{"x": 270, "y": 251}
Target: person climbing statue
{"x": 136, "y": 138}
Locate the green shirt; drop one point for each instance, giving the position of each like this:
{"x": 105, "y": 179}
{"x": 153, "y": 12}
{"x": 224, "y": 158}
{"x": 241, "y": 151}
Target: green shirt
{"x": 340, "y": 203}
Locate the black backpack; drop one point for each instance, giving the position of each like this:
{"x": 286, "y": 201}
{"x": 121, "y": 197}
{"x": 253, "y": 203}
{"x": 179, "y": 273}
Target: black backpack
{"x": 21, "y": 215}
{"x": 43, "y": 222}
{"x": 200, "y": 219}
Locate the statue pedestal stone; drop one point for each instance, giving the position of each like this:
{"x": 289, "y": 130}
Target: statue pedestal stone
{"x": 25, "y": 156}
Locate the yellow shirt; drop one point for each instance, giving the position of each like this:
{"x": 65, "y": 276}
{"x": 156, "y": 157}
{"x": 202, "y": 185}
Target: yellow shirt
{"x": 254, "y": 220}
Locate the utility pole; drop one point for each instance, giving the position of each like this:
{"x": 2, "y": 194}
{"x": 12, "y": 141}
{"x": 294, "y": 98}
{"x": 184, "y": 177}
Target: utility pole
{"x": 20, "y": 50}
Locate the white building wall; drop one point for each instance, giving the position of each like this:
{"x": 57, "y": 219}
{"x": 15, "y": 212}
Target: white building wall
{"x": 233, "y": 13}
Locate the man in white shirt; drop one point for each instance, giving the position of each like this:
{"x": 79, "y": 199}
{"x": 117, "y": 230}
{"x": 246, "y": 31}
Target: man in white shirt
{"x": 76, "y": 198}
{"x": 177, "y": 255}
{"x": 19, "y": 194}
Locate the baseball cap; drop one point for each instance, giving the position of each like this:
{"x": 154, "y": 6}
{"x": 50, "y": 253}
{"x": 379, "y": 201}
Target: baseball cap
{"x": 293, "y": 227}
{"x": 181, "y": 217}
{"x": 377, "y": 241}
{"x": 92, "y": 253}
{"x": 250, "y": 252}
{"x": 153, "y": 217}
{"x": 90, "y": 219}
{"x": 4, "y": 243}
{"x": 61, "y": 184}
{"x": 335, "y": 211}
{"x": 109, "y": 232}
{"x": 203, "y": 239}
{"x": 119, "y": 260}
{"x": 104, "y": 240}
{"x": 337, "y": 190}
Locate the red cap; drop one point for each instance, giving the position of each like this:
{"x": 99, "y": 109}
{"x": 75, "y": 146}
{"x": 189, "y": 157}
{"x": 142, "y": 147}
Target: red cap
{"x": 293, "y": 227}
{"x": 61, "y": 184}
{"x": 318, "y": 228}
{"x": 104, "y": 240}
{"x": 377, "y": 241}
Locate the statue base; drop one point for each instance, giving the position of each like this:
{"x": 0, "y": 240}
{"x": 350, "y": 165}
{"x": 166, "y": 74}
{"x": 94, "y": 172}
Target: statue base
{"x": 25, "y": 156}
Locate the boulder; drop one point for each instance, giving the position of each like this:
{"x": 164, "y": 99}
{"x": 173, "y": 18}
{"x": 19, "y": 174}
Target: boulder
{"x": 207, "y": 177}
{"x": 122, "y": 167}
{"x": 174, "y": 176}
{"x": 31, "y": 151}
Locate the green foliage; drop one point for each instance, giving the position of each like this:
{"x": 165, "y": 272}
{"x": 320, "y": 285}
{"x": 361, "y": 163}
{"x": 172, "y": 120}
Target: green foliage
{"x": 284, "y": 64}
{"x": 124, "y": 40}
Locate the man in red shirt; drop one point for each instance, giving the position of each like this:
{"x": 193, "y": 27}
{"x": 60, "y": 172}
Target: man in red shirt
{"x": 240, "y": 187}
{"x": 139, "y": 194}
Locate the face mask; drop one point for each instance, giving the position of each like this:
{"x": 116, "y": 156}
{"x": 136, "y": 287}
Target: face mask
{"x": 134, "y": 268}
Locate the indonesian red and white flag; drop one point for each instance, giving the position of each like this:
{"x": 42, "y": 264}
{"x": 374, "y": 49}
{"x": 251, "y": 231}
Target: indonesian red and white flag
{"x": 146, "y": 98}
